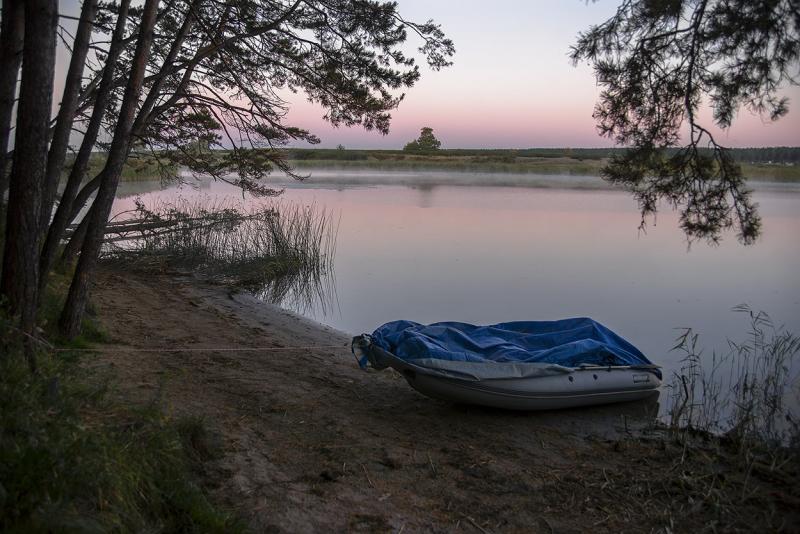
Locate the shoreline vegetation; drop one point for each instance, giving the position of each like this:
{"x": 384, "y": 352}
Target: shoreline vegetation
{"x": 579, "y": 162}
{"x": 779, "y": 164}
{"x": 282, "y": 252}
{"x": 180, "y": 441}
{"x": 74, "y": 455}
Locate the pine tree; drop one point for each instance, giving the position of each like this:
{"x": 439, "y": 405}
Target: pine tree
{"x": 426, "y": 142}
{"x": 658, "y": 61}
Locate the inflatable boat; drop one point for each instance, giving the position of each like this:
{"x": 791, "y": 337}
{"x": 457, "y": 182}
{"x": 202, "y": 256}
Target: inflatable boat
{"x": 533, "y": 365}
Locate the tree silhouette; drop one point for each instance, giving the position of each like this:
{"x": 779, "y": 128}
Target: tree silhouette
{"x": 426, "y": 142}
{"x": 658, "y": 61}
{"x": 168, "y": 77}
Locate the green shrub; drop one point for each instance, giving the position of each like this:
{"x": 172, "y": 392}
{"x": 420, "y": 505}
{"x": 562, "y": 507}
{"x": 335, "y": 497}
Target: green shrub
{"x": 72, "y": 460}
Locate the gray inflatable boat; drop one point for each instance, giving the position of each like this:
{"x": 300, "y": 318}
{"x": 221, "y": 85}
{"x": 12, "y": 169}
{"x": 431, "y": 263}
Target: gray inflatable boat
{"x": 515, "y": 385}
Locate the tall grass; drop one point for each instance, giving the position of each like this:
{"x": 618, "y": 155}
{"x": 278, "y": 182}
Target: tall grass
{"x": 74, "y": 458}
{"x": 734, "y": 421}
{"x": 750, "y": 395}
{"x": 71, "y": 460}
{"x": 284, "y": 252}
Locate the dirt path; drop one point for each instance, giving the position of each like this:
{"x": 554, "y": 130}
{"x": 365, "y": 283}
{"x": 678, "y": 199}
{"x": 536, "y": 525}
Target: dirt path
{"x": 312, "y": 443}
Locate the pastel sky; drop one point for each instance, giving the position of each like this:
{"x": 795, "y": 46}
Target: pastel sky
{"x": 512, "y": 84}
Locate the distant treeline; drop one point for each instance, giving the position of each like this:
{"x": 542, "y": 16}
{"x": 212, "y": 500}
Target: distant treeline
{"x": 770, "y": 164}
{"x": 775, "y": 155}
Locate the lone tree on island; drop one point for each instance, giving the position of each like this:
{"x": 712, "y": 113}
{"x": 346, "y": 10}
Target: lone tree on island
{"x": 426, "y": 142}
{"x": 658, "y": 61}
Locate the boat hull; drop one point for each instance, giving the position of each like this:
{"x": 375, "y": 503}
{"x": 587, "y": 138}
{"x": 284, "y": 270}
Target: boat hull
{"x": 582, "y": 387}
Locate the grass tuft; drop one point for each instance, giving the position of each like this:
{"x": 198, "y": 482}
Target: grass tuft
{"x": 738, "y": 440}
{"x": 752, "y": 402}
{"x": 72, "y": 459}
{"x": 283, "y": 252}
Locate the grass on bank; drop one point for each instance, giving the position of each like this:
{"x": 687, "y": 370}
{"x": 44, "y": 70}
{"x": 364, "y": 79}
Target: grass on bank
{"x": 282, "y": 252}
{"x": 73, "y": 459}
{"x": 732, "y": 435}
{"x": 137, "y": 168}
{"x": 568, "y": 166}
{"x": 749, "y": 395}
{"x": 485, "y": 165}
{"x": 579, "y": 162}
{"x": 756, "y": 164}
{"x": 725, "y": 459}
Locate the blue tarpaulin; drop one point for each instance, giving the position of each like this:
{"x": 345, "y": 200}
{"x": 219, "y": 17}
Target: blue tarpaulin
{"x": 568, "y": 343}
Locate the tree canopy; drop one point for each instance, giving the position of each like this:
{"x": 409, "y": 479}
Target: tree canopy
{"x": 426, "y": 142}
{"x": 176, "y": 78}
{"x": 226, "y": 66}
{"x": 658, "y": 62}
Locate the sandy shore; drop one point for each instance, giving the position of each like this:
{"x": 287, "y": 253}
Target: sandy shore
{"x": 312, "y": 443}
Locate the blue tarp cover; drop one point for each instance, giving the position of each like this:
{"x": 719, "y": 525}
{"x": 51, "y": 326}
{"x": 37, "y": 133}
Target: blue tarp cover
{"x": 567, "y": 343}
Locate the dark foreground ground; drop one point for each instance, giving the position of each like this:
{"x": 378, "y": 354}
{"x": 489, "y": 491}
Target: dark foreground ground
{"x": 311, "y": 443}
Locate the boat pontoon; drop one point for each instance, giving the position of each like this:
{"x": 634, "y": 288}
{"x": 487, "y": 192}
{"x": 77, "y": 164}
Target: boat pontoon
{"x": 539, "y": 365}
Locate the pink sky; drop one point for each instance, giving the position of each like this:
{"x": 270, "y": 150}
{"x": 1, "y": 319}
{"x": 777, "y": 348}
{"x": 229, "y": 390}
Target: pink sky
{"x": 512, "y": 84}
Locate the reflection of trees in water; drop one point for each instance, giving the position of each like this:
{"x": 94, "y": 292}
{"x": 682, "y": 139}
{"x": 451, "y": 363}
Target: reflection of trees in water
{"x": 170, "y": 186}
{"x": 142, "y": 187}
{"x": 305, "y": 291}
{"x": 425, "y": 194}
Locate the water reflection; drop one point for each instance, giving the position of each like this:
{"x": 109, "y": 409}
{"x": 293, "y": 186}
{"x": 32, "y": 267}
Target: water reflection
{"x": 303, "y": 291}
{"x": 425, "y": 195}
{"x": 186, "y": 182}
{"x": 491, "y": 254}
{"x": 134, "y": 189}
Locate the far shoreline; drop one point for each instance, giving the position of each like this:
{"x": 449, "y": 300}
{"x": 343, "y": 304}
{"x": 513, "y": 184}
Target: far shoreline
{"x": 778, "y": 164}
{"x": 562, "y": 167}
{"x": 334, "y": 174}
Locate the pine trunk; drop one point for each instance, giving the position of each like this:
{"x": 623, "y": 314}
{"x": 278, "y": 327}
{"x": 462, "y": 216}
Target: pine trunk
{"x": 66, "y": 113}
{"x": 11, "y": 39}
{"x": 70, "y": 321}
{"x": 65, "y": 213}
{"x": 29, "y": 163}
{"x": 19, "y": 282}
{"x": 73, "y": 246}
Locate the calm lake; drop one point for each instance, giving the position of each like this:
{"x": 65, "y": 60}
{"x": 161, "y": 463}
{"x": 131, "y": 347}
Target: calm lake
{"x": 558, "y": 247}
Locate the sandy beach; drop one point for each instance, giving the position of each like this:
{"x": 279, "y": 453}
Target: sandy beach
{"x": 312, "y": 443}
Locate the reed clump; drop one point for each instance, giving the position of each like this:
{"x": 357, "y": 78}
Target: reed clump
{"x": 748, "y": 395}
{"x": 725, "y": 458}
{"x": 281, "y": 251}
{"x": 731, "y": 436}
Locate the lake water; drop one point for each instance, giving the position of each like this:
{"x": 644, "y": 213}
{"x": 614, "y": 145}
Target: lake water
{"x": 560, "y": 247}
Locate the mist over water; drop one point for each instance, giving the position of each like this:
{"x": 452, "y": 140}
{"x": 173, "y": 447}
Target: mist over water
{"x": 554, "y": 249}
